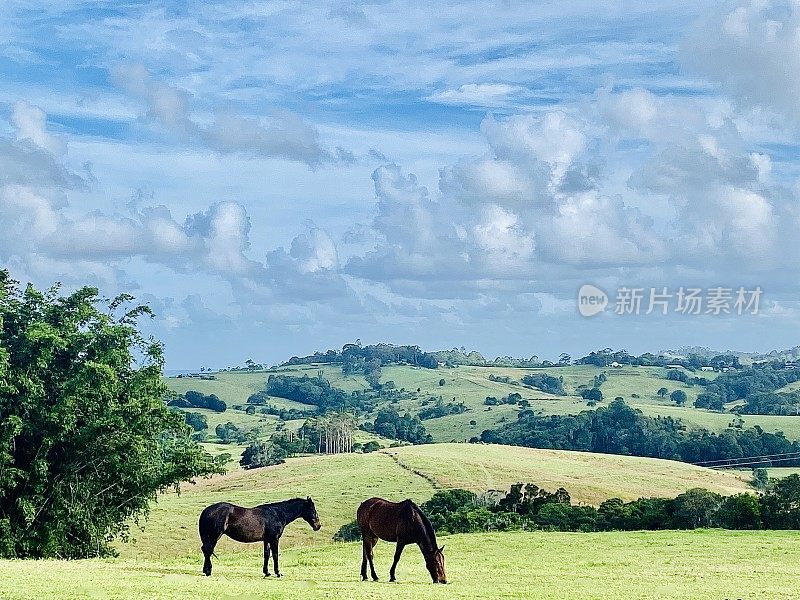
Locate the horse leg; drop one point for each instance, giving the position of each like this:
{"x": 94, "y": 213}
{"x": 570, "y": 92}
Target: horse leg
{"x": 398, "y": 551}
{"x": 274, "y": 545}
{"x": 266, "y": 558}
{"x": 364, "y": 558}
{"x": 209, "y": 542}
{"x": 371, "y": 555}
{"x": 211, "y": 529}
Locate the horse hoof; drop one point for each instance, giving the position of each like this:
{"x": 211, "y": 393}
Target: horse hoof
{"x": 278, "y": 575}
{"x": 266, "y": 574}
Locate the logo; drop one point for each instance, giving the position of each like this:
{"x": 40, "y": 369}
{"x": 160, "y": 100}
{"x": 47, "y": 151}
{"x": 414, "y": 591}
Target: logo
{"x": 591, "y": 300}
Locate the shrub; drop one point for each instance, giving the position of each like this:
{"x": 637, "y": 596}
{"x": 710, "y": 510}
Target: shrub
{"x": 371, "y": 446}
{"x": 262, "y": 454}
{"x": 349, "y": 532}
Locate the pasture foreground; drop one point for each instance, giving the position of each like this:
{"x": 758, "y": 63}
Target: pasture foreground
{"x": 698, "y": 564}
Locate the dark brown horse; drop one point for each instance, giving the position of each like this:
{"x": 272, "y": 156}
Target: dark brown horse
{"x": 401, "y": 522}
{"x": 265, "y": 522}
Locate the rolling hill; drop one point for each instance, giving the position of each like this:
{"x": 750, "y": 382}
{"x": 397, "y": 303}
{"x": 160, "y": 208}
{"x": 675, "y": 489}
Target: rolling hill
{"x": 340, "y": 482}
{"x": 638, "y": 386}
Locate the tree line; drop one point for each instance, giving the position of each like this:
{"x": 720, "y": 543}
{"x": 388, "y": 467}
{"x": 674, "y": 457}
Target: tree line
{"x": 530, "y": 507}
{"x": 355, "y": 354}
{"x": 620, "y": 429}
{"x": 756, "y": 386}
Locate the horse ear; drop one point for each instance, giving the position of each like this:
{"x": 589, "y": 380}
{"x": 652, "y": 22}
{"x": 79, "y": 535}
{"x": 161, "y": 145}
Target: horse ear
{"x": 308, "y": 499}
{"x": 441, "y": 549}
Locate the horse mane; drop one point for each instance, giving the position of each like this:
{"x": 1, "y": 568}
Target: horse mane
{"x": 427, "y": 524}
{"x": 281, "y": 503}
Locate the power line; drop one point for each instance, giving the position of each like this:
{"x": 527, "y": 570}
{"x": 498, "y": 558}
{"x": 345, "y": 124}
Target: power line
{"x": 762, "y": 457}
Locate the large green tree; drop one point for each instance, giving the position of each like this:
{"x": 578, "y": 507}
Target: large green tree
{"x": 86, "y": 440}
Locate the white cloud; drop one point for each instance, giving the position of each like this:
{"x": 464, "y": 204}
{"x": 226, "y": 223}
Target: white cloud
{"x": 30, "y": 124}
{"x": 278, "y": 134}
{"x": 753, "y": 50}
{"x": 488, "y": 95}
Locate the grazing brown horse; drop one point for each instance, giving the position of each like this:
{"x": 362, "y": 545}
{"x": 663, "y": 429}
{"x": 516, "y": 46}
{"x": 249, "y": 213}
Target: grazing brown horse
{"x": 401, "y": 522}
{"x": 265, "y": 522}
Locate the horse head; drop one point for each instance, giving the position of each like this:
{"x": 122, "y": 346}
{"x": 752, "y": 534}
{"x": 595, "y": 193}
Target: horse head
{"x": 435, "y": 563}
{"x": 310, "y": 515}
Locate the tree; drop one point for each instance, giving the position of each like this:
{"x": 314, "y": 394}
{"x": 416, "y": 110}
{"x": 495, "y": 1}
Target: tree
{"x": 678, "y": 397}
{"x": 662, "y": 392}
{"x": 780, "y": 504}
{"x": 372, "y": 373}
{"x": 86, "y": 440}
{"x": 696, "y": 508}
{"x": 441, "y": 382}
{"x": 196, "y": 421}
{"x": 371, "y": 446}
{"x": 592, "y": 394}
{"x": 262, "y": 454}
{"x": 760, "y": 479}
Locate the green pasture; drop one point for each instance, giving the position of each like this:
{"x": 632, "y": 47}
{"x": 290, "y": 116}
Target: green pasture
{"x": 542, "y": 565}
{"x": 164, "y": 561}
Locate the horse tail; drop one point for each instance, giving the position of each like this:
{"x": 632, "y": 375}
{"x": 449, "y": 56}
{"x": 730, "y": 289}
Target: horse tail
{"x": 212, "y": 523}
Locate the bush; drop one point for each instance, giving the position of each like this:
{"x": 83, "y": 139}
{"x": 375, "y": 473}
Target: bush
{"x": 262, "y": 454}
{"x": 349, "y": 532}
{"x": 371, "y": 446}
{"x": 86, "y": 440}
{"x": 196, "y": 421}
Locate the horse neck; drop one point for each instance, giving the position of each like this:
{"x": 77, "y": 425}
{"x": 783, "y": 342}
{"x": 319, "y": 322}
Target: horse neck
{"x": 290, "y": 510}
{"x": 427, "y": 541}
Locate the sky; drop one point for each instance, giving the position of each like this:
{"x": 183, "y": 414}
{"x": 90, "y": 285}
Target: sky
{"x": 275, "y": 178}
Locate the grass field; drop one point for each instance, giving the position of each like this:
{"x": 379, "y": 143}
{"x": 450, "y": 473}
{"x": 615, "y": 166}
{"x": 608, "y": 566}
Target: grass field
{"x": 164, "y": 562}
{"x": 638, "y": 386}
{"x": 698, "y": 564}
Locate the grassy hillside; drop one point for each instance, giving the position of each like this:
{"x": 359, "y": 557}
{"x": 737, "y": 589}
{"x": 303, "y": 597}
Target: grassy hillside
{"x": 590, "y": 478}
{"x": 339, "y": 483}
{"x": 164, "y": 562}
{"x": 638, "y": 386}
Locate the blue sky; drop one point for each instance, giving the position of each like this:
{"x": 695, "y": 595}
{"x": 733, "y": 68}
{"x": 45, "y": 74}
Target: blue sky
{"x": 276, "y": 178}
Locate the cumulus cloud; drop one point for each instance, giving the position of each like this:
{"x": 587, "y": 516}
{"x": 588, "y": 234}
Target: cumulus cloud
{"x": 547, "y": 202}
{"x": 278, "y": 134}
{"x": 42, "y": 231}
{"x": 30, "y": 125}
{"x": 753, "y": 50}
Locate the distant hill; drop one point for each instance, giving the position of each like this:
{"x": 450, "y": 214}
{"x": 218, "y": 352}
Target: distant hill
{"x": 472, "y": 385}
{"x": 685, "y": 351}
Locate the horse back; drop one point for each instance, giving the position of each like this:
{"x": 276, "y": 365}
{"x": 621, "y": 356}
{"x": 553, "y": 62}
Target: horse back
{"x": 389, "y": 521}
{"x": 239, "y": 523}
